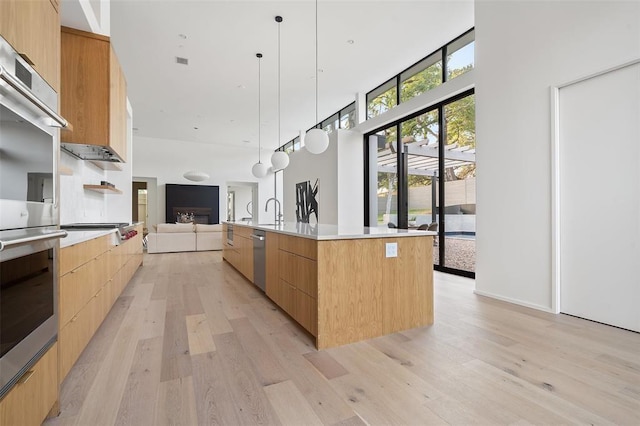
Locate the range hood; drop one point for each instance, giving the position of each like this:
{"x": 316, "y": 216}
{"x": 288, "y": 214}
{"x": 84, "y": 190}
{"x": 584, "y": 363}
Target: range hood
{"x": 91, "y": 152}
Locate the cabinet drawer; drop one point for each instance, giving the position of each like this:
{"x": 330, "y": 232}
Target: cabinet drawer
{"x": 31, "y": 399}
{"x": 301, "y": 246}
{"x": 77, "y": 333}
{"x": 76, "y": 255}
{"x": 306, "y": 312}
{"x": 242, "y": 231}
{"x": 79, "y": 285}
{"x": 300, "y": 272}
{"x": 288, "y": 298}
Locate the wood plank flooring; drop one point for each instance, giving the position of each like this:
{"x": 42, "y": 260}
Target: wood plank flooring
{"x": 191, "y": 342}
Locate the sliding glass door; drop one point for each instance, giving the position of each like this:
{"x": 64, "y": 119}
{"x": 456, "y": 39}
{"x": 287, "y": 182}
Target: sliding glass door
{"x": 433, "y": 165}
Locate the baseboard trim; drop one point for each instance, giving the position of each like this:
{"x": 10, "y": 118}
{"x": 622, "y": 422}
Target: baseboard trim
{"x": 515, "y": 301}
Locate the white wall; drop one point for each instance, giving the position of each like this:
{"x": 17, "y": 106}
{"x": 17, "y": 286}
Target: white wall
{"x": 523, "y": 48}
{"x": 167, "y": 160}
{"x": 304, "y": 166}
{"x": 339, "y": 171}
{"x": 81, "y": 205}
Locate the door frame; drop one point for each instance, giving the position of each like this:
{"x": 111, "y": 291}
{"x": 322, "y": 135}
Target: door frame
{"x": 556, "y": 207}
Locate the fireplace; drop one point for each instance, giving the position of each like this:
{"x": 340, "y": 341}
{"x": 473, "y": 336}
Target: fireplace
{"x": 200, "y": 214}
{"x": 200, "y": 200}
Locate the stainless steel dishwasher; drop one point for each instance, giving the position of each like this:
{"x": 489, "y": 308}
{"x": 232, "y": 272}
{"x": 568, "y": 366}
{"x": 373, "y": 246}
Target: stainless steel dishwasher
{"x": 259, "y": 258}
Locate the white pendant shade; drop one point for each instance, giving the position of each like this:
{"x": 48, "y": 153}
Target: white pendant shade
{"x": 195, "y": 176}
{"x": 316, "y": 141}
{"x": 279, "y": 160}
{"x": 259, "y": 170}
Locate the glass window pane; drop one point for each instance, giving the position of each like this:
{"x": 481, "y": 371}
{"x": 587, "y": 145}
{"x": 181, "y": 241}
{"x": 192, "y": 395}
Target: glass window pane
{"x": 348, "y": 117}
{"x": 296, "y": 144}
{"x": 382, "y": 99}
{"x": 422, "y": 77}
{"x": 387, "y": 178}
{"x": 331, "y": 123}
{"x": 460, "y": 55}
{"x": 420, "y": 139}
{"x": 460, "y": 185}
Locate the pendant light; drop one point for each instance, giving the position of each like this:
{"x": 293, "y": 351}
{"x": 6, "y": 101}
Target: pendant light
{"x": 279, "y": 159}
{"x": 259, "y": 169}
{"x": 316, "y": 140}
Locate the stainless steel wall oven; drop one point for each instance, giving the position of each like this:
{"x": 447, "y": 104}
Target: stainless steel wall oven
{"x": 29, "y": 217}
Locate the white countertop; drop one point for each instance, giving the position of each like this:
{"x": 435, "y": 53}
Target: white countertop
{"x": 76, "y": 237}
{"x": 334, "y": 232}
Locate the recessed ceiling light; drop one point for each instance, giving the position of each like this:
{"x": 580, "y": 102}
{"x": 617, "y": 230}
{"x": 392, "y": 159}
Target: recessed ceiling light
{"x": 350, "y": 41}
{"x": 182, "y": 61}
{"x": 241, "y": 86}
{"x": 135, "y": 129}
{"x": 246, "y": 141}
{"x": 195, "y": 128}
{"x": 182, "y": 36}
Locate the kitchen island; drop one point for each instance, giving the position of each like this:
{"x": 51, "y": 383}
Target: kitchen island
{"x": 342, "y": 285}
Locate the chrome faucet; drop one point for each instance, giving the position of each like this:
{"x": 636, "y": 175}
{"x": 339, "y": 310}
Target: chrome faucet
{"x": 278, "y": 212}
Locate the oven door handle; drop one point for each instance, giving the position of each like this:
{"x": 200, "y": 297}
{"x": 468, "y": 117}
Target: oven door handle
{"x": 19, "y": 87}
{"x": 28, "y": 240}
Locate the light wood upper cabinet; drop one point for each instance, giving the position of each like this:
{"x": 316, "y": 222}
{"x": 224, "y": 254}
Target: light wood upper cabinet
{"x": 93, "y": 92}
{"x": 33, "y": 29}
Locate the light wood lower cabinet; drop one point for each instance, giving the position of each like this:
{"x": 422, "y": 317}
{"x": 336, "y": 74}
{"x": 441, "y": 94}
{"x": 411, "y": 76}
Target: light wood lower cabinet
{"x": 343, "y": 291}
{"x": 94, "y": 273}
{"x": 31, "y": 399}
{"x": 240, "y": 254}
{"x": 292, "y": 278}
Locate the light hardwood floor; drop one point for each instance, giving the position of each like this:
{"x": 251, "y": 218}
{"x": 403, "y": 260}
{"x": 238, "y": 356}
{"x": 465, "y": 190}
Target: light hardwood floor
{"x": 192, "y": 342}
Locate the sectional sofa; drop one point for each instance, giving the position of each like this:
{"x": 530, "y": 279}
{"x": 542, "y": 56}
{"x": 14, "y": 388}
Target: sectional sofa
{"x": 179, "y": 237}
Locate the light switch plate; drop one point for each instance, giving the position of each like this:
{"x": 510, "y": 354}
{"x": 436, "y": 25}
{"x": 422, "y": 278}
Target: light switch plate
{"x": 391, "y": 249}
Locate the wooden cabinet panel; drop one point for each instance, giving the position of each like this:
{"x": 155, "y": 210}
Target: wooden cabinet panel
{"x": 272, "y": 276}
{"x": 306, "y": 312}
{"x": 76, "y": 255}
{"x": 87, "y": 293}
{"x": 80, "y": 285}
{"x": 93, "y": 92}
{"x": 31, "y": 399}
{"x": 408, "y": 286}
{"x": 301, "y": 246}
{"x": 300, "y": 272}
{"x": 288, "y": 298}
{"x": 117, "y": 107}
{"x": 242, "y": 231}
{"x": 33, "y": 29}
{"x": 246, "y": 258}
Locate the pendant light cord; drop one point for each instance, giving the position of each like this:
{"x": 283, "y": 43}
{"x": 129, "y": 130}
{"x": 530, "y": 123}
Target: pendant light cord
{"x": 259, "y": 146}
{"x": 279, "y": 82}
{"x": 316, "y": 63}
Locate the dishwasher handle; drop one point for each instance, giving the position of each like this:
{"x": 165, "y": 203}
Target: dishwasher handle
{"x": 257, "y": 237}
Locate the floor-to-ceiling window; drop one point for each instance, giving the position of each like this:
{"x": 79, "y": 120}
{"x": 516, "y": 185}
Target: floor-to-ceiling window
{"x": 420, "y": 169}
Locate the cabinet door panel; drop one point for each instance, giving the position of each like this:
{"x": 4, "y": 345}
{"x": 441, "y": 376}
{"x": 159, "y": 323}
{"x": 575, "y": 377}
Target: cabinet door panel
{"x": 33, "y": 30}
{"x": 29, "y": 402}
{"x": 118, "y": 108}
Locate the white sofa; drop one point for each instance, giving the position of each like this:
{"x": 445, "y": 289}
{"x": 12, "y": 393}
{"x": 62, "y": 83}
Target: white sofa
{"x": 179, "y": 237}
{"x": 208, "y": 237}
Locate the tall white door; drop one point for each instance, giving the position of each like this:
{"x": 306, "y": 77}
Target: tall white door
{"x": 599, "y": 198}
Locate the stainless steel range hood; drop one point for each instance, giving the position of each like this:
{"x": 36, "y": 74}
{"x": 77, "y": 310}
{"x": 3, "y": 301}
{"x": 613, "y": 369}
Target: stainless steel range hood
{"x": 91, "y": 152}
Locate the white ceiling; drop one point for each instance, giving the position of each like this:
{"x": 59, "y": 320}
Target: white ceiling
{"x": 218, "y": 91}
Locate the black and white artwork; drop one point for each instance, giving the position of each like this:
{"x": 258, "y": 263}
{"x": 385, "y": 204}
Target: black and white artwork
{"x": 307, "y": 202}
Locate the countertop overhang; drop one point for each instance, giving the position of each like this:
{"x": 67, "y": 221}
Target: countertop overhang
{"x": 323, "y": 232}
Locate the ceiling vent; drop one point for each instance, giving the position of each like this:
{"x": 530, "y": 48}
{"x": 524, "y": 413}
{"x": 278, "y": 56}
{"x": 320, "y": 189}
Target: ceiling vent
{"x": 183, "y": 61}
